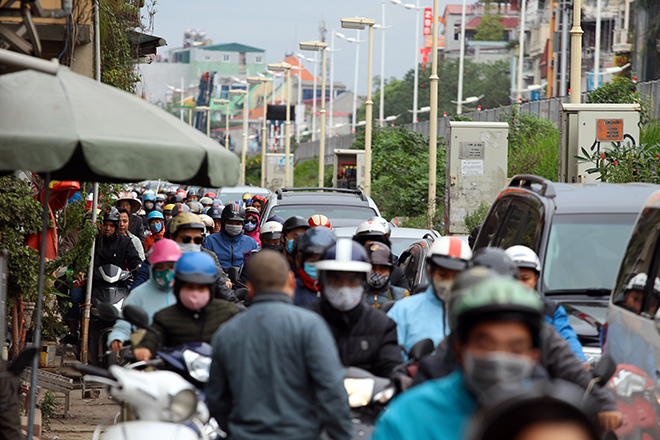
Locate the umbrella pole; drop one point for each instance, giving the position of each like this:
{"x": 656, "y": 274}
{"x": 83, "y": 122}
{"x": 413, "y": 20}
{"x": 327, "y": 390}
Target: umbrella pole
{"x": 37, "y": 325}
{"x": 88, "y": 286}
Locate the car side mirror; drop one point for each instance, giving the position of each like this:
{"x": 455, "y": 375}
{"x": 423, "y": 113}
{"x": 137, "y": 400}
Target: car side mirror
{"x": 107, "y": 312}
{"x": 421, "y": 349}
{"x": 136, "y": 316}
{"x": 23, "y": 360}
{"x": 605, "y": 369}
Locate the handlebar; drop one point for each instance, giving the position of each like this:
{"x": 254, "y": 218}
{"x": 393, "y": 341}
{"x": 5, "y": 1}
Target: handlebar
{"x": 94, "y": 371}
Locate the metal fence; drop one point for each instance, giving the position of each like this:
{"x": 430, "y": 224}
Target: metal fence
{"x": 310, "y": 150}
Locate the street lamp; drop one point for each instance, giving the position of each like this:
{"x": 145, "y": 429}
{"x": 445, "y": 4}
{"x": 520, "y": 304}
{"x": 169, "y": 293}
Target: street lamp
{"x": 357, "y": 42}
{"x": 286, "y": 67}
{"x": 382, "y": 27}
{"x": 316, "y": 63}
{"x": 470, "y": 100}
{"x": 262, "y": 81}
{"x": 433, "y": 123}
{"x": 220, "y": 102}
{"x": 421, "y": 110}
{"x": 459, "y": 106}
{"x": 360, "y": 23}
{"x": 316, "y": 46}
{"x": 244, "y": 93}
{"x": 416, "y": 83}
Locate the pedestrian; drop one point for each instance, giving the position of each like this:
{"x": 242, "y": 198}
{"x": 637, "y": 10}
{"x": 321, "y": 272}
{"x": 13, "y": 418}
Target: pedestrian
{"x": 157, "y": 228}
{"x": 379, "y": 287}
{"x": 270, "y": 235}
{"x": 132, "y": 205}
{"x": 230, "y": 244}
{"x": 124, "y": 221}
{"x": 292, "y": 228}
{"x": 196, "y": 314}
{"x": 276, "y": 373}
{"x": 252, "y": 224}
{"x": 307, "y": 252}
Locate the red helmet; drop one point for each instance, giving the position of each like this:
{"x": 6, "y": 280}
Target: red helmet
{"x": 319, "y": 220}
{"x": 260, "y": 199}
{"x": 182, "y": 193}
{"x": 211, "y": 195}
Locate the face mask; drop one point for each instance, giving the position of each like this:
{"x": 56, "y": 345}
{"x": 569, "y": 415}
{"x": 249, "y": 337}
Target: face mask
{"x": 378, "y": 281}
{"x": 274, "y": 247}
{"x": 164, "y": 278}
{"x": 310, "y": 269}
{"x": 156, "y": 227}
{"x": 495, "y": 373}
{"x": 194, "y": 299}
{"x": 149, "y": 205}
{"x": 249, "y": 226}
{"x": 442, "y": 288}
{"x": 289, "y": 246}
{"x": 189, "y": 247}
{"x": 233, "y": 230}
{"x": 343, "y": 298}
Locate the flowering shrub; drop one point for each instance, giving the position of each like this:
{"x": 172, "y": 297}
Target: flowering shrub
{"x": 624, "y": 162}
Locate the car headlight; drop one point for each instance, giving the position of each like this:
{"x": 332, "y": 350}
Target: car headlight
{"x": 198, "y": 366}
{"x": 359, "y": 391}
{"x": 119, "y": 305}
{"x": 183, "y": 405}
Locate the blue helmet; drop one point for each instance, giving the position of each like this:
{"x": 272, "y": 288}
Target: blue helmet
{"x": 196, "y": 267}
{"x": 155, "y": 214}
{"x": 215, "y": 212}
{"x": 345, "y": 255}
{"x": 316, "y": 240}
{"x": 149, "y": 196}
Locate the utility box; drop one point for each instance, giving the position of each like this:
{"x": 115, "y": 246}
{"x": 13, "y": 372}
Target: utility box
{"x": 348, "y": 169}
{"x": 276, "y": 171}
{"x": 477, "y": 154}
{"x": 593, "y": 127}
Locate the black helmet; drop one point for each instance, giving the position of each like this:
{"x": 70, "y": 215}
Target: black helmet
{"x": 195, "y": 192}
{"x": 232, "y": 211}
{"x": 294, "y": 222}
{"x": 316, "y": 240}
{"x": 215, "y": 212}
{"x": 176, "y": 198}
{"x": 179, "y": 209}
{"x": 495, "y": 258}
{"x": 112, "y": 216}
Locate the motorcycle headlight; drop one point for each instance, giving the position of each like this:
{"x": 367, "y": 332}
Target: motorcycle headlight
{"x": 183, "y": 405}
{"x": 119, "y": 305}
{"x": 198, "y": 366}
{"x": 359, "y": 391}
{"x": 385, "y": 396}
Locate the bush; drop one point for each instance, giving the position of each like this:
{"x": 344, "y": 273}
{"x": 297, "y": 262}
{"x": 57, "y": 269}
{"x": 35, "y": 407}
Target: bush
{"x": 622, "y": 90}
{"x": 625, "y": 163}
{"x": 476, "y": 217}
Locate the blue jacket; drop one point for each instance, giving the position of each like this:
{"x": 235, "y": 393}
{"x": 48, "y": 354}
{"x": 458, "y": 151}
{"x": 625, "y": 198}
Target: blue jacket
{"x": 230, "y": 249}
{"x": 561, "y": 323}
{"x": 435, "y": 410}
{"x": 304, "y": 295}
{"x": 147, "y": 296}
{"x": 419, "y": 317}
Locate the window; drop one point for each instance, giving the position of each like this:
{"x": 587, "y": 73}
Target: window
{"x": 457, "y": 31}
{"x": 207, "y": 57}
{"x": 226, "y": 58}
{"x": 512, "y": 226}
{"x": 494, "y": 219}
{"x": 258, "y": 59}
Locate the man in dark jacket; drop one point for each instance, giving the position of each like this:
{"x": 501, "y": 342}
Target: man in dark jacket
{"x": 196, "y": 314}
{"x": 275, "y": 370}
{"x": 366, "y": 338}
{"x": 10, "y": 406}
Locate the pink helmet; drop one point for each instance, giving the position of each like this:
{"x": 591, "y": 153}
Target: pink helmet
{"x": 164, "y": 251}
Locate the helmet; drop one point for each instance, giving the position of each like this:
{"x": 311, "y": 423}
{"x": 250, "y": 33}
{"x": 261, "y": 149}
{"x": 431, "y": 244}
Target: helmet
{"x": 112, "y": 215}
{"x": 385, "y": 223}
{"x": 195, "y": 192}
{"x": 196, "y": 267}
{"x": 251, "y": 211}
{"x": 208, "y": 221}
{"x": 371, "y": 230}
{"x": 496, "y": 299}
{"x": 380, "y": 254}
{"x": 232, "y": 211}
{"x": 316, "y": 240}
{"x": 161, "y": 197}
{"x": 195, "y": 206}
{"x": 218, "y": 202}
{"x": 176, "y": 198}
{"x": 496, "y": 259}
{"x": 186, "y": 220}
{"x": 319, "y": 220}
{"x": 275, "y": 218}
{"x": 638, "y": 282}
{"x": 182, "y": 193}
{"x": 344, "y": 256}
{"x": 168, "y": 208}
{"x": 179, "y": 209}
{"x": 271, "y": 231}
{"x": 206, "y": 201}
{"x": 470, "y": 277}
{"x": 524, "y": 257}
{"x": 211, "y": 195}
{"x": 215, "y": 212}
{"x": 149, "y": 196}
{"x": 260, "y": 199}
{"x": 155, "y": 214}
{"x": 294, "y": 222}
{"x": 246, "y": 197}
{"x": 450, "y": 253}
{"x": 163, "y": 251}
{"x": 135, "y": 203}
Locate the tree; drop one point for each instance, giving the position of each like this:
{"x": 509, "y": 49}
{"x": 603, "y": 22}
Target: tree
{"x": 490, "y": 29}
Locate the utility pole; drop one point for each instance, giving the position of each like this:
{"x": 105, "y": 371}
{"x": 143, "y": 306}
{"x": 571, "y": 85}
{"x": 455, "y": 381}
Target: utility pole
{"x": 576, "y": 53}
{"x": 550, "y": 92}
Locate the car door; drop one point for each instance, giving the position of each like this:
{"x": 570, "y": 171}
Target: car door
{"x": 512, "y": 221}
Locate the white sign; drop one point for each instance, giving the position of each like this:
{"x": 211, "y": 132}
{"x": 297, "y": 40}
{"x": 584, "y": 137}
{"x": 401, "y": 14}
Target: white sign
{"x": 472, "y": 167}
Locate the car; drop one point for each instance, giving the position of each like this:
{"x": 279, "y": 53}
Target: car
{"x": 401, "y": 238}
{"x": 235, "y": 193}
{"x": 579, "y": 232}
{"x": 343, "y": 207}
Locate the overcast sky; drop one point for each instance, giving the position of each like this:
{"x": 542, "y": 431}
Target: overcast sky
{"x": 278, "y": 26}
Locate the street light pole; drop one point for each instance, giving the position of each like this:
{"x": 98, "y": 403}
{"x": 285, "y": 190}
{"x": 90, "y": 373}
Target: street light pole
{"x": 459, "y": 106}
{"x": 597, "y": 51}
{"x": 243, "y": 93}
{"x": 416, "y": 80}
{"x": 263, "y": 82}
{"x": 433, "y": 123}
{"x": 381, "y": 108}
{"x": 521, "y": 51}
{"x": 576, "y": 53}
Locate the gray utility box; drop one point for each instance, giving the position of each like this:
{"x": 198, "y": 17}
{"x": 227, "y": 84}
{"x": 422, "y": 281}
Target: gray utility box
{"x": 348, "y": 169}
{"x": 276, "y": 171}
{"x": 593, "y": 127}
{"x": 477, "y": 154}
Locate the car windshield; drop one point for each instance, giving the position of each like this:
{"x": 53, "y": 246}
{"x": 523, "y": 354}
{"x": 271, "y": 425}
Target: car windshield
{"x": 400, "y": 244}
{"x": 585, "y": 250}
{"x": 360, "y": 213}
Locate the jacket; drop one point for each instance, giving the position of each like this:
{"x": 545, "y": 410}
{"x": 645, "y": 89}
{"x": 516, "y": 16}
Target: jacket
{"x": 152, "y": 239}
{"x": 304, "y": 295}
{"x": 150, "y": 298}
{"x": 178, "y": 325}
{"x": 556, "y": 358}
{"x": 556, "y": 315}
{"x": 365, "y": 337}
{"x": 137, "y": 244}
{"x": 419, "y": 317}
{"x": 436, "y": 410}
{"x": 255, "y": 236}
{"x": 391, "y": 293}
{"x": 118, "y": 250}
{"x": 10, "y": 406}
{"x": 229, "y": 249}
{"x": 276, "y": 374}
{"x": 398, "y": 279}
{"x": 136, "y": 226}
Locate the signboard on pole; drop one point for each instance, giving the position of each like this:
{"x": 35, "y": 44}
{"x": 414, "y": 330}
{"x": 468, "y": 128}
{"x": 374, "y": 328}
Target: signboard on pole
{"x": 428, "y": 21}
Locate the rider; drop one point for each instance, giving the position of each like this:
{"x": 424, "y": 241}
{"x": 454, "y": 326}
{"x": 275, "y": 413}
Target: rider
{"x": 379, "y": 289}
{"x": 195, "y": 207}
{"x": 270, "y": 234}
{"x": 216, "y": 214}
{"x": 194, "y": 194}
{"x": 207, "y": 203}
{"x": 308, "y": 250}
{"x": 196, "y": 314}
{"x": 252, "y": 224}
{"x": 230, "y": 244}
{"x": 292, "y": 228}
{"x": 377, "y": 229}
{"x": 154, "y": 295}
{"x": 319, "y": 220}
{"x": 366, "y": 338}
{"x": 424, "y": 315}
{"x": 160, "y": 200}
{"x": 167, "y": 211}
{"x": 633, "y": 294}
{"x": 156, "y": 226}
{"x": 148, "y": 203}
{"x": 132, "y": 205}
{"x": 208, "y": 222}
{"x": 124, "y": 220}
{"x": 258, "y": 202}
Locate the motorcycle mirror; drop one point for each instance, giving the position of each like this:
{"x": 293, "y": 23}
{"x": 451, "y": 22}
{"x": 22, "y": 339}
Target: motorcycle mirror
{"x": 605, "y": 369}
{"x": 421, "y": 349}
{"x": 232, "y": 272}
{"x": 136, "y": 316}
{"x": 107, "y": 312}
{"x": 23, "y": 360}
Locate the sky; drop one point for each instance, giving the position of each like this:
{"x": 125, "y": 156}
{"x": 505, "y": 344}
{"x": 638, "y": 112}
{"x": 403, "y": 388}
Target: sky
{"x": 277, "y": 26}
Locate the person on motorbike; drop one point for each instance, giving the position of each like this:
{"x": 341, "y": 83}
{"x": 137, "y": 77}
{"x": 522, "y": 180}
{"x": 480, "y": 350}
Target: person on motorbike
{"x": 258, "y": 202}
{"x": 148, "y": 205}
{"x": 424, "y": 315}
{"x": 160, "y": 201}
{"x": 207, "y": 203}
{"x": 529, "y": 267}
{"x": 379, "y": 288}
{"x": 292, "y": 228}
{"x": 245, "y": 198}
{"x": 195, "y": 207}
{"x": 194, "y": 195}
{"x": 216, "y": 214}
{"x": 124, "y": 219}
{"x": 167, "y": 211}
{"x": 319, "y": 220}
{"x": 378, "y": 230}
{"x": 155, "y": 294}
{"x": 270, "y": 235}
{"x": 196, "y": 315}
{"x": 132, "y": 205}
{"x": 495, "y": 332}
{"x": 230, "y": 244}
{"x": 365, "y": 337}
{"x": 208, "y": 222}
{"x": 307, "y": 252}
{"x": 252, "y": 224}
{"x": 157, "y": 228}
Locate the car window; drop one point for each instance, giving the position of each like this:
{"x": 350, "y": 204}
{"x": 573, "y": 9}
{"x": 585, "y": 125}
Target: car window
{"x": 494, "y": 220}
{"x": 330, "y": 211}
{"x": 512, "y": 227}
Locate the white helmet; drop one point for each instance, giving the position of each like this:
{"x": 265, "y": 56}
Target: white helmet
{"x": 384, "y": 223}
{"x": 524, "y": 257}
{"x": 208, "y": 221}
{"x": 450, "y": 253}
{"x": 638, "y": 282}
{"x": 271, "y": 230}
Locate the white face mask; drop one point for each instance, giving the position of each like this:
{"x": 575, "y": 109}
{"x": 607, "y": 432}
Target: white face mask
{"x": 489, "y": 376}
{"x": 343, "y": 298}
{"x": 190, "y": 247}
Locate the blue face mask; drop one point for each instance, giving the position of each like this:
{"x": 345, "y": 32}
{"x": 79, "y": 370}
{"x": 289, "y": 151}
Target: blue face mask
{"x": 310, "y": 269}
{"x": 289, "y": 246}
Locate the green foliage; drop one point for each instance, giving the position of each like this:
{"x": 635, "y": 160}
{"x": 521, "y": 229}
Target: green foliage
{"x": 117, "y": 19}
{"x": 306, "y": 174}
{"x": 623, "y": 91}
{"x": 624, "y": 162}
{"x": 476, "y": 217}
{"x": 490, "y": 29}
{"x": 49, "y": 407}
{"x": 650, "y": 133}
{"x": 252, "y": 170}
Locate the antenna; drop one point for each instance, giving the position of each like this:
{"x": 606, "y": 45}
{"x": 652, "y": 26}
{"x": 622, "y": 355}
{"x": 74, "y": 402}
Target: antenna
{"x": 323, "y": 28}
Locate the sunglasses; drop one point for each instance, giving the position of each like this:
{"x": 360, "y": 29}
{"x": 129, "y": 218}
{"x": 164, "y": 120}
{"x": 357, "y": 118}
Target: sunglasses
{"x": 186, "y": 239}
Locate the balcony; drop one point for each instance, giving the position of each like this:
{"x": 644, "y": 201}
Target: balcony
{"x": 538, "y": 38}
